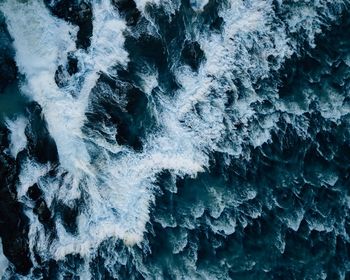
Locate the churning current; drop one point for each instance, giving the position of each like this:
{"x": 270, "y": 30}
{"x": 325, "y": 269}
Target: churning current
{"x": 175, "y": 139}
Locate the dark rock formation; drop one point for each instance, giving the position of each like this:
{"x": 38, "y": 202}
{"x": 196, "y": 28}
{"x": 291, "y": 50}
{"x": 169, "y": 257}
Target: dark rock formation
{"x": 69, "y": 215}
{"x": 72, "y": 65}
{"x": 78, "y": 13}
{"x": 64, "y": 73}
{"x": 40, "y": 146}
{"x": 61, "y": 76}
{"x": 8, "y": 68}
{"x": 40, "y": 207}
{"x": 192, "y": 54}
{"x": 14, "y": 224}
{"x": 131, "y": 116}
{"x": 128, "y": 9}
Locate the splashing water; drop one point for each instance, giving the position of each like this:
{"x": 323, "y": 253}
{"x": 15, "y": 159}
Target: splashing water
{"x": 229, "y": 103}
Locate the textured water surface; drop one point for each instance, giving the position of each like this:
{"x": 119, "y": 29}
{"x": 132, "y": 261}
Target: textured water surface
{"x": 175, "y": 139}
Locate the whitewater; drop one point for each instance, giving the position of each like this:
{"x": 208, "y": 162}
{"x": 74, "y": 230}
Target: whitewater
{"x": 228, "y": 104}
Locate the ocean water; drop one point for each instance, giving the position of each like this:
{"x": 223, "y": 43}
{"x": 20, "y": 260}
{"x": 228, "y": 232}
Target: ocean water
{"x": 175, "y": 139}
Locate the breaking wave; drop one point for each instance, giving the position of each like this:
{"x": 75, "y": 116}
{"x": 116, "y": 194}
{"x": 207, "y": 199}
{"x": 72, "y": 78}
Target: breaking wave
{"x": 174, "y": 132}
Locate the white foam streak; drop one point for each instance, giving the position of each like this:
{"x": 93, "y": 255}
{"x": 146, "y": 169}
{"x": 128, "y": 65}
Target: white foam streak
{"x": 116, "y": 182}
{"x": 18, "y": 138}
{"x": 198, "y": 5}
{"x": 141, "y": 4}
{"x": 30, "y": 174}
{"x": 41, "y": 43}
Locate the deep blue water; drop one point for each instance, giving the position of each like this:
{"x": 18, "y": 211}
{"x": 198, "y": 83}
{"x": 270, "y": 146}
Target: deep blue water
{"x": 175, "y": 140}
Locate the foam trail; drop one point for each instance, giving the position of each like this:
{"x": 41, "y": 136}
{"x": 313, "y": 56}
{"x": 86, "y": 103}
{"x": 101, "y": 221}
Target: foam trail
{"x": 141, "y": 4}
{"x": 17, "y": 137}
{"x": 117, "y": 183}
{"x": 65, "y": 115}
{"x": 248, "y": 38}
{"x": 40, "y": 47}
{"x": 182, "y": 148}
{"x": 198, "y": 5}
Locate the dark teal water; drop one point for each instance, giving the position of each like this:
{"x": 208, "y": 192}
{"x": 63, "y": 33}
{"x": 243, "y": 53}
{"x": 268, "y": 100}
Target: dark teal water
{"x": 12, "y": 102}
{"x": 278, "y": 209}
